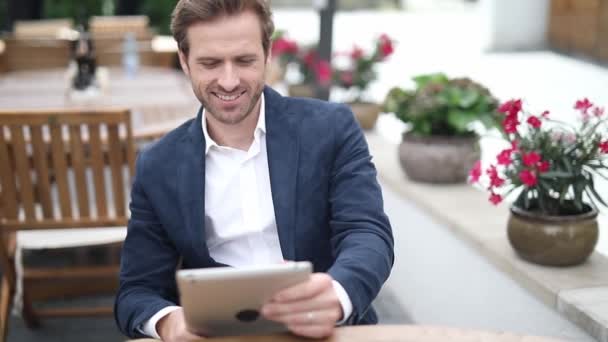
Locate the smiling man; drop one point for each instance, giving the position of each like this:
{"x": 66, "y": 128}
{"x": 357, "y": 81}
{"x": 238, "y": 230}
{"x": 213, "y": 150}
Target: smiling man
{"x": 255, "y": 178}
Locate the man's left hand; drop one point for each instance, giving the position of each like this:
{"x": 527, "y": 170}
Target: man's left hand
{"x": 310, "y": 309}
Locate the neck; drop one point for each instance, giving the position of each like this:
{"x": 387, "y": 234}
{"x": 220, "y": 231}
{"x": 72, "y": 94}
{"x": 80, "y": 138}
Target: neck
{"x": 239, "y": 136}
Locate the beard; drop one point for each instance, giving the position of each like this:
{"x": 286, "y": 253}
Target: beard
{"x": 235, "y": 115}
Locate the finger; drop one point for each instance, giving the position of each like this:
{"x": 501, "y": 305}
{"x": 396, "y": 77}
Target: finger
{"x": 312, "y": 331}
{"x": 325, "y": 300}
{"x": 317, "y": 283}
{"x": 323, "y": 317}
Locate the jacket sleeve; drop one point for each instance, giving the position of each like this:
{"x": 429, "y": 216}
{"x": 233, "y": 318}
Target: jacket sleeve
{"x": 362, "y": 238}
{"x": 148, "y": 263}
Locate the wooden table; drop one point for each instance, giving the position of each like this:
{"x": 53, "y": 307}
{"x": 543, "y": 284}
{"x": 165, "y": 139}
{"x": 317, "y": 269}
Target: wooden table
{"x": 159, "y": 98}
{"x": 393, "y": 333}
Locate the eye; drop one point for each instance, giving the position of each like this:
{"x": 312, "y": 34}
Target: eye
{"x": 209, "y": 64}
{"x": 246, "y": 61}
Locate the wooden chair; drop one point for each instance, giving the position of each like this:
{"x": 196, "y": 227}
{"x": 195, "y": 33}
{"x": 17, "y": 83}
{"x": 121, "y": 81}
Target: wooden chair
{"x": 74, "y": 157}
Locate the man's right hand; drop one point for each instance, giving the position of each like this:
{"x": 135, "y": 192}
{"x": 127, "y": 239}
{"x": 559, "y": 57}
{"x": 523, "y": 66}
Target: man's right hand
{"x": 172, "y": 328}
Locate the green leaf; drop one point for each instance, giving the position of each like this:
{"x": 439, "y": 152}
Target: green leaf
{"x": 556, "y": 174}
{"x": 460, "y": 120}
{"x": 423, "y": 80}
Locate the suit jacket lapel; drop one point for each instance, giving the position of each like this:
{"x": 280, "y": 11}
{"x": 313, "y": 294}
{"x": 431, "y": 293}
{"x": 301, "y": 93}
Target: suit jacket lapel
{"x": 282, "y": 144}
{"x": 191, "y": 185}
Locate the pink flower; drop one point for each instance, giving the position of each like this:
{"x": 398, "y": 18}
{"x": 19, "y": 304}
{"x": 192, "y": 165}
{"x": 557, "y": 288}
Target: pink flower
{"x": 504, "y": 157}
{"x": 495, "y": 180}
{"x": 598, "y": 111}
{"x": 356, "y": 53}
{"x": 495, "y": 198}
{"x": 534, "y": 121}
{"x": 475, "y": 172}
{"x": 511, "y": 107}
{"x": 323, "y": 71}
{"x": 583, "y": 105}
{"x": 514, "y": 145}
{"x": 543, "y": 166}
{"x": 510, "y": 124}
{"x": 528, "y": 177}
{"x": 284, "y": 46}
{"x": 530, "y": 159}
{"x": 604, "y": 146}
{"x": 545, "y": 114}
{"x": 385, "y": 46}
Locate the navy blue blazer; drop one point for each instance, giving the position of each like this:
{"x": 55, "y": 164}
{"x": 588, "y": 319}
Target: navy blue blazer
{"x": 327, "y": 202}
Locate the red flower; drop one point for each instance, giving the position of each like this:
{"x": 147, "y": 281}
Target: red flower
{"x": 528, "y": 177}
{"x": 530, "y": 159}
{"x": 323, "y": 71}
{"x": 475, "y": 172}
{"x": 545, "y": 114}
{"x": 514, "y": 144}
{"x": 583, "y": 105}
{"x": 356, "y": 53}
{"x": 598, "y": 111}
{"x": 385, "y": 45}
{"x": 534, "y": 121}
{"x": 282, "y": 46}
{"x": 495, "y": 198}
{"x": 543, "y": 166}
{"x": 511, "y": 107}
{"x": 510, "y": 124}
{"x": 495, "y": 180}
{"x": 604, "y": 146}
{"x": 310, "y": 58}
{"x": 504, "y": 157}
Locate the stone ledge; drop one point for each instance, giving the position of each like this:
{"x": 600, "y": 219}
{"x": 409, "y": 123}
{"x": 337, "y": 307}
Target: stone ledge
{"x": 579, "y": 293}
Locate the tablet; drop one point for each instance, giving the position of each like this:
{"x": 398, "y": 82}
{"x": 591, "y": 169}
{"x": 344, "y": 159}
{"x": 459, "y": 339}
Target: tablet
{"x": 226, "y": 301}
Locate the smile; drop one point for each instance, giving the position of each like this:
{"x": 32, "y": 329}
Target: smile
{"x": 228, "y": 98}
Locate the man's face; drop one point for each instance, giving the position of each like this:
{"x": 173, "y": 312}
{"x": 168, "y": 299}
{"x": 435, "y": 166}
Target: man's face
{"x": 226, "y": 64}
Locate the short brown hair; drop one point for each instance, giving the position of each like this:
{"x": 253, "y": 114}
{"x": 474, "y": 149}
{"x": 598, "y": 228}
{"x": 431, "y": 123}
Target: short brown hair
{"x": 188, "y": 12}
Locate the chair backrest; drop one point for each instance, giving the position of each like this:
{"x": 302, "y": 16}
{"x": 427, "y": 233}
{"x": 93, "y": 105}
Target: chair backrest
{"x": 64, "y": 169}
{"x": 42, "y": 29}
{"x": 118, "y": 26}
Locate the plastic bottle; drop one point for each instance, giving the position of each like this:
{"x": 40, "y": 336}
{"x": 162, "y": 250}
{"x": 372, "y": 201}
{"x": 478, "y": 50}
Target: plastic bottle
{"x": 130, "y": 55}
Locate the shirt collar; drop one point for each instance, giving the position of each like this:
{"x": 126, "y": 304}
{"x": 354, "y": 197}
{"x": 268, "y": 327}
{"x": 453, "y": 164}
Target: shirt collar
{"x": 259, "y": 128}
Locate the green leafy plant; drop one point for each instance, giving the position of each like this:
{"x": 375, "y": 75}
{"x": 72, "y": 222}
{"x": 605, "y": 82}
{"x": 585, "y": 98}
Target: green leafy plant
{"x": 552, "y": 163}
{"x": 442, "y": 106}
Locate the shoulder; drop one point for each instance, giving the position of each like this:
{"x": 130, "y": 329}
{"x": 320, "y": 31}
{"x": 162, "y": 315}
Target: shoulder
{"x": 164, "y": 150}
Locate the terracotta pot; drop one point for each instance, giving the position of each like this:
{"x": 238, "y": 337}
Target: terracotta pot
{"x": 301, "y": 90}
{"x": 366, "y": 113}
{"x": 553, "y": 240}
{"x": 276, "y": 72}
{"x": 438, "y": 159}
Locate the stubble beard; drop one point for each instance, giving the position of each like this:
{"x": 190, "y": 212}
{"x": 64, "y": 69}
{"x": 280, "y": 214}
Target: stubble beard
{"x": 232, "y": 119}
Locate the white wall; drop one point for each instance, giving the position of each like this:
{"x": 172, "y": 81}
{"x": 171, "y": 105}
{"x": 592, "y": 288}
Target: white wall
{"x": 515, "y": 24}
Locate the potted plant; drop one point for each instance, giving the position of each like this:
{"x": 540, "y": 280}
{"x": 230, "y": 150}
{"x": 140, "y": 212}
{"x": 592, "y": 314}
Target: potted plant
{"x": 441, "y": 144}
{"x": 551, "y": 166}
{"x": 358, "y": 74}
{"x": 312, "y": 70}
{"x": 283, "y": 52}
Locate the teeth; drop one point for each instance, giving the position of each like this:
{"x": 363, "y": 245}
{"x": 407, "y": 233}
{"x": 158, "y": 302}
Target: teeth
{"x": 227, "y": 98}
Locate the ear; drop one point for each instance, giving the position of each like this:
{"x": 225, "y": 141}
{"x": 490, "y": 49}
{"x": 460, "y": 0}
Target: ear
{"x": 183, "y": 62}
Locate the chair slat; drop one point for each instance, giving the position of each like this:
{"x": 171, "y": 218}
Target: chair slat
{"x": 79, "y": 170}
{"x": 130, "y": 151}
{"x": 60, "y": 170}
{"x": 97, "y": 165}
{"x": 7, "y": 180}
{"x": 116, "y": 158}
{"x": 26, "y": 191}
{"x": 41, "y": 153}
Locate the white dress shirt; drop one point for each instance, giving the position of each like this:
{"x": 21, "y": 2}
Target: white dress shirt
{"x": 240, "y": 225}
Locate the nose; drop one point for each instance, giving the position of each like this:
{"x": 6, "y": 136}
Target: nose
{"x": 229, "y": 78}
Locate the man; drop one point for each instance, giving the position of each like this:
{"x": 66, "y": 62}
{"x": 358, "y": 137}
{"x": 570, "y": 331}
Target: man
{"x": 256, "y": 178}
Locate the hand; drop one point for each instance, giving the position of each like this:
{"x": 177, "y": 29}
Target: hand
{"x": 172, "y": 328}
{"x": 310, "y": 309}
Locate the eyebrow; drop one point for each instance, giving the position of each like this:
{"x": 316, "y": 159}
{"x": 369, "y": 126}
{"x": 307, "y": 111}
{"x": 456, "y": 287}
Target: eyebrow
{"x": 213, "y": 59}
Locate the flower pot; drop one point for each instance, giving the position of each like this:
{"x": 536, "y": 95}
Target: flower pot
{"x": 301, "y": 90}
{"x": 276, "y": 72}
{"x": 553, "y": 240}
{"x": 438, "y": 159}
{"x": 366, "y": 113}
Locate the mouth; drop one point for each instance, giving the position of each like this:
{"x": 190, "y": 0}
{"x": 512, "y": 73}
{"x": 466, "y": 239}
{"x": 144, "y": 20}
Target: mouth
{"x": 229, "y": 99}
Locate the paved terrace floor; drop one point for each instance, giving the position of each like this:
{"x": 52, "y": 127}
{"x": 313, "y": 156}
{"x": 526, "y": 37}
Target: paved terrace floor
{"x": 428, "y": 42}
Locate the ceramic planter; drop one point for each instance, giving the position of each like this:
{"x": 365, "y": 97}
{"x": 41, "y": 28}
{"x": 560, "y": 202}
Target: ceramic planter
{"x": 366, "y": 113}
{"x": 438, "y": 159}
{"x": 553, "y": 240}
